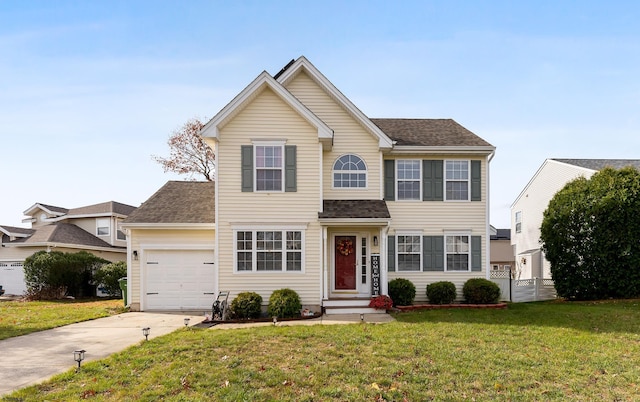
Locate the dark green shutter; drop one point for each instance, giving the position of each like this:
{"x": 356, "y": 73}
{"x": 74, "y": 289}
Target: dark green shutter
{"x": 432, "y": 176}
{"x": 391, "y": 253}
{"x": 247, "y": 167}
{"x": 389, "y": 180}
{"x": 476, "y": 188}
{"x": 433, "y": 253}
{"x": 476, "y": 253}
{"x": 290, "y": 179}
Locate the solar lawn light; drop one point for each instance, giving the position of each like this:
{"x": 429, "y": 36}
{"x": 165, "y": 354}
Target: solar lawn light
{"x": 361, "y": 317}
{"x": 186, "y": 321}
{"x": 145, "y": 333}
{"x": 78, "y": 356}
{"x": 275, "y": 320}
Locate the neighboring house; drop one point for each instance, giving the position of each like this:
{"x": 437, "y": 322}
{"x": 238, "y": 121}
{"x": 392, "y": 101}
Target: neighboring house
{"x": 527, "y": 210}
{"x": 93, "y": 228}
{"x": 313, "y": 195}
{"x": 502, "y": 257}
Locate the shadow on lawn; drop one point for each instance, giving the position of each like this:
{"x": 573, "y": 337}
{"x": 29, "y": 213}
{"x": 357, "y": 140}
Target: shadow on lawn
{"x": 592, "y": 316}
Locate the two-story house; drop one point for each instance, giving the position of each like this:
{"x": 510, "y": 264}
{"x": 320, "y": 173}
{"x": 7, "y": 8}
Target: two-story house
{"x": 313, "y": 195}
{"x": 92, "y": 228}
{"x": 528, "y": 208}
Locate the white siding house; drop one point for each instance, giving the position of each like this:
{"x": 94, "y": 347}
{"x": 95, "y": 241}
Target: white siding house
{"x": 528, "y": 208}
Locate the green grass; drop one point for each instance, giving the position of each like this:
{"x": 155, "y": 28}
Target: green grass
{"x": 22, "y": 317}
{"x": 527, "y": 352}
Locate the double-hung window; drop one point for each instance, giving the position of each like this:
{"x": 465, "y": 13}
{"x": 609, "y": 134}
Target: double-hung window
{"x": 518, "y": 221}
{"x": 269, "y": 250}
{"x": 103, "y": 227}
{"x": 458, "y": 253}
{"x": 349, "y": 171}
{"x": 409, "y": 177}
{"x": 457, "y": 180}
{"x": 409, "y": 252}
{"x": 269, "y": 165}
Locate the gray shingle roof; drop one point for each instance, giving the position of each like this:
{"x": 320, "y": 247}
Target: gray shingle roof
{"x": 14, "y": 229}
{"x": 53, "y": 208}
{"x": 502, "y": 234}
{"x": 178, "y": 202}
{"x": 366, "y": 209}
{"x": 598, "y": 164}
{"x": 63, "y": 233}
{"x": 103, "y": 208}
{"x": 428, "y": 132}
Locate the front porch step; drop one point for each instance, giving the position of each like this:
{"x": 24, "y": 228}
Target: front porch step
{"x": 349, "y": 306}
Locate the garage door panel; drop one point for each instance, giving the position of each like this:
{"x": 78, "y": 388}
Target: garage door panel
{"x": 179, "y": 279}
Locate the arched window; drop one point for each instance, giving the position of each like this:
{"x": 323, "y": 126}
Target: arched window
{"x": 349, "y": 171}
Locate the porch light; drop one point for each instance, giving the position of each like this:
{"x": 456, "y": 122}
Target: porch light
{"x": 145, "y": 333}
{"x": 78, "y": 356}
{"x": 135, "y": 255}
{"x": 186, "y": 321}
{"x": 375, "y": 241}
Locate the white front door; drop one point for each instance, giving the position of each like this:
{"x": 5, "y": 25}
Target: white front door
{"x": 179, "y": 280}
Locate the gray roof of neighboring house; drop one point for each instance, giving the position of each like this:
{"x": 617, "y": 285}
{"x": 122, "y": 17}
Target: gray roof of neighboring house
{"x": 63, "y": 233}
{"x": 102, "y": 208}
{"x": 428, "y": 132}
{"x": 14, "y": 229}
{"x": 598, "y": 164}
{"x": 178, "y": 202}
{"x": 53, "y": 208}
{"x": 502, "y": 234}
{"x": 354, "y": 209}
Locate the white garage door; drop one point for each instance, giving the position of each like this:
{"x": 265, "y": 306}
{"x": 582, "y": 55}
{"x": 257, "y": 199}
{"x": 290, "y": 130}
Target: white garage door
{"x": 179, "y": 280}
{"x": 12, "y": 277}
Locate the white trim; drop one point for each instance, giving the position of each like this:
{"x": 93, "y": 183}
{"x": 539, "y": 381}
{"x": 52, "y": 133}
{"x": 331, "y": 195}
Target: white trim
{"x": 267, "y": 226}
{"x": 190, "y": 226}
{"x": 384, "y": 142}
{"x": 264, "y": 80}
{"x": 254, "y": 250}
{"x": 445, "y": 180}
{"x": 98, "y": 227}
{"x": 333, "y": 173}
{"x": 459, "y": 234}
{"x": 397, "y": 180}
{"x": 405, "y": 233}
{"x": 281, "y": 168}
{"x": 444, "y": 150}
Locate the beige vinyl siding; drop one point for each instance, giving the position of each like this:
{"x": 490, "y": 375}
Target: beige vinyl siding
{"x": 533, "y": 201}
{"x": 434, "y": 218}
{"x": 349, "y": 138}
{"x": 160, "y": 239}
{"x": 267, "y": 117}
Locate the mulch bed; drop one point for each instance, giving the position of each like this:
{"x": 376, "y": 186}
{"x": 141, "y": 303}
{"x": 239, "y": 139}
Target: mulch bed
{"x": 208, "y": 324}
{"x": 450, "y": 306}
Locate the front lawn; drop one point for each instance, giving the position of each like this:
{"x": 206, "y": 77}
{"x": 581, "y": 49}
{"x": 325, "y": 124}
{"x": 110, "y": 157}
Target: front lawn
{"x": 22, "y": 317}
{"x": 534, "y": 351}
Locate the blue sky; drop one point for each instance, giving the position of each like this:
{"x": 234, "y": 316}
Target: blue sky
{"x": 89, "y": 90}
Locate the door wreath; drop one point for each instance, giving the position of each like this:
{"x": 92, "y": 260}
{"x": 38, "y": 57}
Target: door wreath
{"x": 345, "y": 247}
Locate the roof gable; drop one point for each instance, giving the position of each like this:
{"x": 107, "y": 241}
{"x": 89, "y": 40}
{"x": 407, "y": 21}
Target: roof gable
{"x": 289, "y": 72}
{"x": 264, "y": 80}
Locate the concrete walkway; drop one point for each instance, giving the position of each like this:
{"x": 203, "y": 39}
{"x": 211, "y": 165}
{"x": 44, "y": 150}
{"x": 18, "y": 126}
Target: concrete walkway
{"x": 30, "y": 359}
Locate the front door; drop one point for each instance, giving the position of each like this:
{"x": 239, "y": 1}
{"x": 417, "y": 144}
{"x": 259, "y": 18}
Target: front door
{"x": 345, "y": 263}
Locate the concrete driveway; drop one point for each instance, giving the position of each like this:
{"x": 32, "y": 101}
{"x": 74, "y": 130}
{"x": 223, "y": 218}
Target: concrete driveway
{"x": 30, "y": 359}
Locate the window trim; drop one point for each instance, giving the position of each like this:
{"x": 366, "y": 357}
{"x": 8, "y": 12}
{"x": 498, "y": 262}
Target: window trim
{"x": 518, "y": 221}
{"x": 365, "y": 171}
{"x": 254, "y": 250}
{"x": 273, "y": 144}
{"x": 107, "y": 226}
{"x": 447, "y": 253}
{"x": 418, "y": 234}
{"x": 446, "y": 180}
{"x": 397, "y": 180}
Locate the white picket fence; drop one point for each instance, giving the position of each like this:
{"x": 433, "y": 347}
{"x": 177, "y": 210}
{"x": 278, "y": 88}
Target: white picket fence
{"x": 523, "y": 290}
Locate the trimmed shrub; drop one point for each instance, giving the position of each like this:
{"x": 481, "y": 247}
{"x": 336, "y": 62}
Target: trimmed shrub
{"x": 443, "y": 292}
{"x": 108, "y": 276}
{"x": 402, "y": 292}
{"x": 247, "y": 305}
{"x": 284, "y": 303}
{"x": 481, "y": 291}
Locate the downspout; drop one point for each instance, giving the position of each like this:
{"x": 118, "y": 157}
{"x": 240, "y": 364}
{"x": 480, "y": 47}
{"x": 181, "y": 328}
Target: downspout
{"x": 488, "y": 230}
